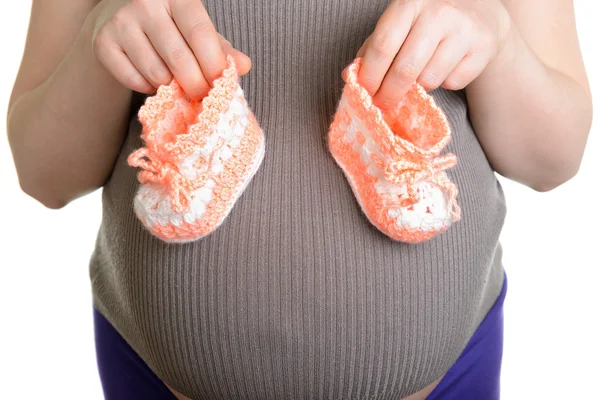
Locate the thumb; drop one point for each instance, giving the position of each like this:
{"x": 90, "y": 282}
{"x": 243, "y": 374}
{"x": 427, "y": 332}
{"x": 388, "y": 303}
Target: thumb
{"x": 242, "y": 61}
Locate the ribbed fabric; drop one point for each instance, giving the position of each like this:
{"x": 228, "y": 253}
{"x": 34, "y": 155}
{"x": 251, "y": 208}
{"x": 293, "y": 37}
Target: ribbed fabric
{"x": 296, "y": 295}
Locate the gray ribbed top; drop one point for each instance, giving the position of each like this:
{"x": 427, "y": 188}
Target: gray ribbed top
{"x": 296, "y": 295}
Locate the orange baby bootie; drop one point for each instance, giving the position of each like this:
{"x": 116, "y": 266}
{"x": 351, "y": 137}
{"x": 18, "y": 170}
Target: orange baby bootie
{"x": 392, "y": 161}
{"x": 198, "y": 157}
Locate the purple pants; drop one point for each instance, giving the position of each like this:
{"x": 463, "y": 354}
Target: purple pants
{"x": 475, "y": 375}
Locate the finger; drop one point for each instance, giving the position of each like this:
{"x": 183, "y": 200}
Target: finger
{"x": 446, "y": 58}
{"x": 175, "y": 52}
{"x": 470, "y": 67}
{"x": 383, "y": 44}
{"x": 195, "y": 25}
{"x": 361, "y": 51}
{"x": 414, "y": 55}
{"x": 122, "y": 69}
{"x": 242, "y": 61}
{"x": 144, "y": 57}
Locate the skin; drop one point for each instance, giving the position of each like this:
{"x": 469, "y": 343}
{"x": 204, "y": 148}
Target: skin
{"x": 68, "y": 111}
{"x": 534, "y": 127}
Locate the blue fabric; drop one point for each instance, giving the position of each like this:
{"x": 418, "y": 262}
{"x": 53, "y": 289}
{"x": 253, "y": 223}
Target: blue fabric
{"x": 474, "y": 376}
{"x": 124, "y": 375}
{"x": 476, "y": 373}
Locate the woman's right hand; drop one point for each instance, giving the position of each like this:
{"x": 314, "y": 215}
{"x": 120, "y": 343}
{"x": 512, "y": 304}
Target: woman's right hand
{"x": 145, "y": 43}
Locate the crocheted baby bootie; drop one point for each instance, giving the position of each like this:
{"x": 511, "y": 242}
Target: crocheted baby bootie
{"x": 391, "y": 160}
{"x": 198, "y": 157}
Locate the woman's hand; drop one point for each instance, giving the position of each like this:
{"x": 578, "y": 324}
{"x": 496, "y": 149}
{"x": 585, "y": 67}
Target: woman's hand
{"x": 433, "y": 42}
{"x": 144, "y": 43}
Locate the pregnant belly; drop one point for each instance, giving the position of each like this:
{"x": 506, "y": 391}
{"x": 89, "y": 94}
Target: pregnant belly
{"x": 218, "y": 325}
{"x": 297, "y": 295}
{"x": 276, "y": 305}
{"x": 274, "y": 344}
{"x": 420, "y": 395}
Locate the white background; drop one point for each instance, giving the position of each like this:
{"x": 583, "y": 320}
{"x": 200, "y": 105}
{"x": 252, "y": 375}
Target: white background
{"x": 551, "y": 256}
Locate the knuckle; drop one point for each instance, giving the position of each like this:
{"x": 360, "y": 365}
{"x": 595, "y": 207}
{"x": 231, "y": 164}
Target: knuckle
{"x": 410, "y": 5}
{"x": 468, "y": 24}
{"x": 143, "y": 4}
{"x": 405, "y": 69}
{"x": 386, "y": 100}
{"x": 199, "y": 28}
{"x": 370, "y": 81}
{"x": 382, "y": 44}
{"x": 128, "y": 33}
{"x": 178, "y": 55}
{"x": 446, "y": 10}
{"x": 136, "y": 82}
{"x": 370, "y": 84}
{"x": 158, "y": 74}
{"x": 466, "y": 30}
{"x": 121, "y": 18}
{"x": 429, "y": 81}
{"x": 101, "y": 42}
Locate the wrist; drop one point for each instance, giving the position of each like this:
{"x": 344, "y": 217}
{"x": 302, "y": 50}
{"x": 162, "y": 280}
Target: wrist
{"x": 85, "y": 40}
{"x": 508, "y": 43}
{"x": 84, "y": 55}
{"x": 509, "y": 48}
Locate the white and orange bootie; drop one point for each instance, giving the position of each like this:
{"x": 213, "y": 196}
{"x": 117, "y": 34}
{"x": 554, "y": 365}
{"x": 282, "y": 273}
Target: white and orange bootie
{"x": 198, "y": 158}
{"x": 392, "y": 161}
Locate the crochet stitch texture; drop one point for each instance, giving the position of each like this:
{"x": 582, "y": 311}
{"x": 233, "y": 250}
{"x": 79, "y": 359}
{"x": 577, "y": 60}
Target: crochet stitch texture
{"x": 198, "y": 157}
{"x": 392, "y": 161}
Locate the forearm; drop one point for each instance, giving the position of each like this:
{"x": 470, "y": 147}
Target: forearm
{"x": 531, "y": 120}
{"x": 66, "y": 133}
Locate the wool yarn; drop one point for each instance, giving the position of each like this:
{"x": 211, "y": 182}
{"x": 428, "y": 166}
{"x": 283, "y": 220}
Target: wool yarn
{"x": 197, "y": 159}
{"x": 392, "y": 160}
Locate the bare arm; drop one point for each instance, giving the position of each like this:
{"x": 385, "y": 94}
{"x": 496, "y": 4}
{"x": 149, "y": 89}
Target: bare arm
{"x": 69, "y": 107}
{"x": 520, "y": 62}
{"x": 67, "y": 115}
{"x": 531, "y": 107}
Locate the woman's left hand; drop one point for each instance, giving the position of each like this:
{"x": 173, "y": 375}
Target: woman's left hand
{"x": 433, "y": 42}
